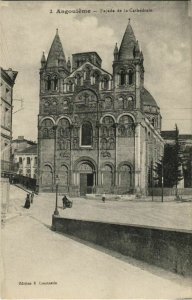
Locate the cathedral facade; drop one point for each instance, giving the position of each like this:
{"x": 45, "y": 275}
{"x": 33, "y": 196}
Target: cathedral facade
{"x": 97, "y": 132}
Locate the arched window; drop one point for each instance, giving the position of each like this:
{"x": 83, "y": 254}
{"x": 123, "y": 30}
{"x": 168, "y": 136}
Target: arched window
{"x": 63, "y": 133}
{"x": 47, "y": 176}
{"x": 153, "y": 122}
{"x": 96, "y": 78}
{"x": 130, "y": 104}
{"x": 78, "y": 78}
{"x": 130, "y": 76}
{"x": 70, "y": 86}
{"x": 111, "y": 144}
{"x": 120, "y": 102}
{"x": 55, "y": 83}
{"x": 104, "y": 144}
{"x": 126, "y": 126}
{"x": 86, "y": 134}
{"x": 48, "y": 83}
{"x": 105, "y": 83}
{"x": 46, "y": 126}
{"x": 122, "y": 78}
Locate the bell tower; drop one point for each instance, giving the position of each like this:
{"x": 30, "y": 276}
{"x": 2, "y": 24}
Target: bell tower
{"x": 128, "y": 70}
{"x": 53, "y": 70}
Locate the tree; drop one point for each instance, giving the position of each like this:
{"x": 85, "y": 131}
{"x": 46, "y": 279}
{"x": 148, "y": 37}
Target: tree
{"x": 171, "y": 163}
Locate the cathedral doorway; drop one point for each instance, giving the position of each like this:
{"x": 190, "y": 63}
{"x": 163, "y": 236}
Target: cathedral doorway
{"x": 87, "y": 178}
{"x": 86, "y": 184}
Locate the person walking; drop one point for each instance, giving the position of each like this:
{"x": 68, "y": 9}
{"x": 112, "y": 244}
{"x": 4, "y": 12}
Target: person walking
{"x": 27, "y": 202}
{"x": 32, "y": 196}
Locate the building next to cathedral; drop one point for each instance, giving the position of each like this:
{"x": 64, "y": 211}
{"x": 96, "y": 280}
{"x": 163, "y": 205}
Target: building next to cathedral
{"x": 97, "y": 132}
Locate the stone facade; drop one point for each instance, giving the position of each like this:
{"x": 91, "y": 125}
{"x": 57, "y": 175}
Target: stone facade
{"x": 98, "y": 132}
{"x": 7, "y": 82}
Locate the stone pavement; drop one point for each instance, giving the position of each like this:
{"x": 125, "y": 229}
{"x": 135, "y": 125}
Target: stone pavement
{"x": 34, "y": 254}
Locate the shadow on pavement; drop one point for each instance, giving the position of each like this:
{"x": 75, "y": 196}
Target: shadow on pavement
{"x": 186, "y": 281}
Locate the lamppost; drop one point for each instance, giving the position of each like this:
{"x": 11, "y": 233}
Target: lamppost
{"x": 162, "y": 180}
{"x": 56, "y": 212}
{"x": 152, "y": 179}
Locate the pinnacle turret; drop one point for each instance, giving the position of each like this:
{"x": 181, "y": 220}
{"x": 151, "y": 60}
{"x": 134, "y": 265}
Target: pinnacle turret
{"x": 43, "y": 60}
{"x": 69, "y": 65}
{"x": 116, "y": 52}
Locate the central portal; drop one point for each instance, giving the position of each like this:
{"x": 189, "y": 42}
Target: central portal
{"x": 86, "y": 174}
{"x": 86, "y": 184}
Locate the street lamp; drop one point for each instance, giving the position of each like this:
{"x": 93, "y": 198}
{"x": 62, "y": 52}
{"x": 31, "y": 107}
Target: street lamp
{"x": 56, "y": 212}
{"x": 152, "y": 179}
{"x": 162, "y": 180}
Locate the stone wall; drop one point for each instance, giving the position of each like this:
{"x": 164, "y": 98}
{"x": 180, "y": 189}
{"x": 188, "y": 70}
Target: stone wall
{"x": 171, "y": 191}
{"x": 168, "y": 249}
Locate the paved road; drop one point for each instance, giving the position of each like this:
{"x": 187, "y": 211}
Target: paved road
{"x": 33, "y": 253}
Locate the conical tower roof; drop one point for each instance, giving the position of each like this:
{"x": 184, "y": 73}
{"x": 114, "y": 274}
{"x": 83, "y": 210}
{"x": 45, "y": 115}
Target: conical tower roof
{"x": 56, "y": 53}
{"x": 127, "y": 44}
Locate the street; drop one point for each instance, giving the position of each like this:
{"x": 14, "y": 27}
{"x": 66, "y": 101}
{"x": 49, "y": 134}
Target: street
{"x": 40, "y": 263}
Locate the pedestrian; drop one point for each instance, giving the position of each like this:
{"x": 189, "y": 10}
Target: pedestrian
{"x": 32, "y": 196}
{"x": 103, "y": 197}
{"x": 27, "y": 202}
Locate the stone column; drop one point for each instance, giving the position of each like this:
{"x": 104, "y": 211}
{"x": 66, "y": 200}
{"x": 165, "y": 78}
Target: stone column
{"x": 116, "y": 151}
{"x": 137, "y": 87}
{"x": 137, "y": 158}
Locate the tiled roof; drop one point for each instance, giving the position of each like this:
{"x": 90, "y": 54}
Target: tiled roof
{"x": 147, "y": 98}
{"x": 29, "y": 150}
{"x": 56, "y": 53}
{"x": 128, "y": 43}
{"x": 168, "y": 134}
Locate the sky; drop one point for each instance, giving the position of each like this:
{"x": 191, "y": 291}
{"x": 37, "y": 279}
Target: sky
{"x": 28, "y": 28}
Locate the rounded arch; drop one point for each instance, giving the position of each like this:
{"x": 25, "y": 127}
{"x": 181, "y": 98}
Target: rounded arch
{"x": 125, "y": 114}
{"x": 107, "y": 115}
{"x": 96, "y": 72}
{"x": 107, "y": 176}
{"x": 47, "y": 174}
{"x": 107, "y": 163}
{"x": 121, "y": 69}
{"x": 123, "y": 163}
{"x": 47, "y": 118}
{"x": 48, "y": 164}
{"x": 84, "y": 159}
{"x": 63, "y": 117}
{"x": 63, "y": 174}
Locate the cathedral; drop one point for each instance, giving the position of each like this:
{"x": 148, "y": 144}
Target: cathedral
{"x": 97, "y": 132}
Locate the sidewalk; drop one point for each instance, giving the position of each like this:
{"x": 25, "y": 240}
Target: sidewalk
{"x": 175, "y": 215}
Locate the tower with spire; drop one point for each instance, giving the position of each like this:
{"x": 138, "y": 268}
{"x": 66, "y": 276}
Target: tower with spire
{"x": 54, "y": 69}
{"x": 128, "y": 70}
